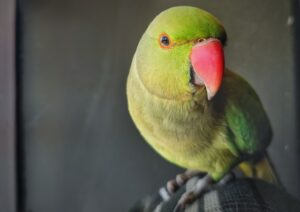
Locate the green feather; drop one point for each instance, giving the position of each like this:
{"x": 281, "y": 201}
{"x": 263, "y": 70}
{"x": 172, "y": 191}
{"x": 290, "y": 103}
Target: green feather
{"x": 245, "y": 116}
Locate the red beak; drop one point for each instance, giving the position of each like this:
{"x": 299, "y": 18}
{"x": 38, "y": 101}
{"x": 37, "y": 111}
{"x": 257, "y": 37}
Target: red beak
{"x": 207, "y": 59}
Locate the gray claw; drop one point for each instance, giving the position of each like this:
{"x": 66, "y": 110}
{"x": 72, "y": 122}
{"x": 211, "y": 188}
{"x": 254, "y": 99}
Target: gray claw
{"x": 184, "y": 200}
{"x": 191, "y": 195}
{"x": 174, "y": 184}
{"x": 226, "y": 179}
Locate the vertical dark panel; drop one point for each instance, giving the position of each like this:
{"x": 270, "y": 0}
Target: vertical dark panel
{"x": 296, "y": 48}
{"x": 7, "y": 107}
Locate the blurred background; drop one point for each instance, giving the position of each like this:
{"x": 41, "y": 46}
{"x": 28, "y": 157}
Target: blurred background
{"x": 79, "y": 150}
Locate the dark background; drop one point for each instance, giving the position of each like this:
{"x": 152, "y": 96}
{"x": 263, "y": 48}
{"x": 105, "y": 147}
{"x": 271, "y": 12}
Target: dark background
{"x": 80, "y": 151}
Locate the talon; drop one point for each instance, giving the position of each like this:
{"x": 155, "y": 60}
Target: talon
{"x": 181, "y": 179}
{"x": 185, "y": 199}
{"x": 197, "y": 190}
{"x": 178, "y": 208}
{"x": 226, "y": 179}
{"x": 172, "y": 186}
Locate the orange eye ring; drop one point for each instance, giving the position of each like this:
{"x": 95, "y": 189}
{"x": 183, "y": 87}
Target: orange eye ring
{"x": 165, "y": 41}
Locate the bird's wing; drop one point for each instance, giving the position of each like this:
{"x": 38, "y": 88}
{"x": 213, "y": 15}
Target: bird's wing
{"x": 245, "y": 116}
{"x": 250, "y": 127}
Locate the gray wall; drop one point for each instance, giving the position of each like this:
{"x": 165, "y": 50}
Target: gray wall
{"x": 81, "y": 150}
{"x": 7, "y": 107}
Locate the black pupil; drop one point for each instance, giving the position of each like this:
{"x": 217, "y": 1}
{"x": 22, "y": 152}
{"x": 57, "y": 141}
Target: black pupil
{"x": 165, "y": 40}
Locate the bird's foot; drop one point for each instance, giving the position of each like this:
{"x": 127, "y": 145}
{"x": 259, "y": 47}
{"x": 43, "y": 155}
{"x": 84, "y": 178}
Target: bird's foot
{"x": 226, "y": 179}
{"x": 174, "y": 184}
{"x": 202, "y": 185}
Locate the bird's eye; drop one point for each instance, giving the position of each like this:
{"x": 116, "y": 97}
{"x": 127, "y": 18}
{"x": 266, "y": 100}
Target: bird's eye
{"x": 164, "y": 41}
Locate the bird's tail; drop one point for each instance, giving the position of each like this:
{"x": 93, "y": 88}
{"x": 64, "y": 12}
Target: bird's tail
{"x": 261, "y": 169}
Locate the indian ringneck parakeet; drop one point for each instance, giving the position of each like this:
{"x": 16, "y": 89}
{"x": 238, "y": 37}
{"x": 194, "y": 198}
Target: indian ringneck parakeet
{"x": 191, "y": 109}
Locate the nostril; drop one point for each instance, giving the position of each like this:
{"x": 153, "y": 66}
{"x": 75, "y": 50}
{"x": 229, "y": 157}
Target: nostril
{"x": 200, "y": 40}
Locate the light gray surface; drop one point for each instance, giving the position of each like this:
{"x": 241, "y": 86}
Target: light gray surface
{"x": 82, "y": 151}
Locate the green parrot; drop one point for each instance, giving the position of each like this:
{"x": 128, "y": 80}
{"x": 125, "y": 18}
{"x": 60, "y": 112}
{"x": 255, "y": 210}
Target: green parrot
{"x": 191, "y": 109}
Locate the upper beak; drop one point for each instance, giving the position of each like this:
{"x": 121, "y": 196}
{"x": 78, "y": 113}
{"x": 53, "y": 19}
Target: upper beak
{"x": 207, "y": 59}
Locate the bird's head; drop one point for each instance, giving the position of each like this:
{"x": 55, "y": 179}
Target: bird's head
{"x": 182, "y": 52}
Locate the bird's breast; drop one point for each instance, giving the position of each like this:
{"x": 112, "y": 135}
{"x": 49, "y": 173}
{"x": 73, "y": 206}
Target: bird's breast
{"x": 176, "y": 130}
